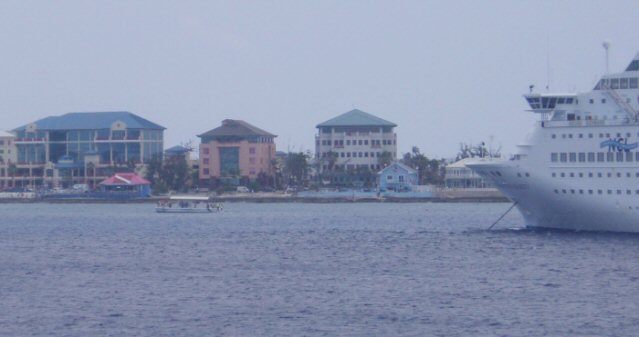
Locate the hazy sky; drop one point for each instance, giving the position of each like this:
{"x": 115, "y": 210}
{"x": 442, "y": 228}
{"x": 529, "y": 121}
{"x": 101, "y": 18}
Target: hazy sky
{"x": 445, "y": 71}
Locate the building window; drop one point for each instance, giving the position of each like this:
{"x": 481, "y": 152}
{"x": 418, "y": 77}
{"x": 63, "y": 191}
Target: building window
{"x": 389, "y": 178}
{"x": 251, "y": 150}
{"x": 205, "y": 171}
{"x": 205, "y": 161}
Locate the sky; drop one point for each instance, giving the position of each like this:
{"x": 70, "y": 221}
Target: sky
{"x": 446, "y": 72}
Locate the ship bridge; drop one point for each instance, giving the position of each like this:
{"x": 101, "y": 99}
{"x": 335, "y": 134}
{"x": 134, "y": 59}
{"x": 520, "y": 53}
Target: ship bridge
{"x": 547, "y": 102}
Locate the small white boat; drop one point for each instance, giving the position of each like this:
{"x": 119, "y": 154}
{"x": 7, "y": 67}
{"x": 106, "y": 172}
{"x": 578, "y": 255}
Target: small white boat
{"x": 187, "y": 204}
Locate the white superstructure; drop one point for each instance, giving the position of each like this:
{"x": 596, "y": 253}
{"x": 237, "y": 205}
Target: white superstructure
{"x": 579, "y": 170}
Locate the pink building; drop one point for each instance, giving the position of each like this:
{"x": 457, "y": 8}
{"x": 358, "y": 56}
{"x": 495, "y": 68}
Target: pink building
{"x": 236, "y": 150}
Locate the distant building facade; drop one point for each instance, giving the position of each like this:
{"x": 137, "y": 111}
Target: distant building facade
{"x": 457, "y": 175}
{"x": 7, "y": 158}
{"x": 83, "y": 148}
{"x": 235, "y": 151}
{"x": 348, "y": 147}
{"x": 397, "y": 177}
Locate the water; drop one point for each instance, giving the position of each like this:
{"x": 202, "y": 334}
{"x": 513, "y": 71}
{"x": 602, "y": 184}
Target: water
{"x": 309, "y": 270}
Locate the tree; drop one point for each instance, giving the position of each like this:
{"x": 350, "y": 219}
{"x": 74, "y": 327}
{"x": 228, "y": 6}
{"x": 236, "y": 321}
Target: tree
{"x": 296, "y": 167}
{"x": 430, "y": 171}
{"x": 385, "y": 159}
{"x": 477, "y": 151}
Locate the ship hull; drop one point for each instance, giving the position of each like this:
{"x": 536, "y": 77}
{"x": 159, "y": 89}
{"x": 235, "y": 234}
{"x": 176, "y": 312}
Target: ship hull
{"x": 545, "y": 204}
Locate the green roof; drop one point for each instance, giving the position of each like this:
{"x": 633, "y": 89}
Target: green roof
{"x": 356, "y": 118}
{"x": 93, "y": 121}
{"x": 236, "y": 128}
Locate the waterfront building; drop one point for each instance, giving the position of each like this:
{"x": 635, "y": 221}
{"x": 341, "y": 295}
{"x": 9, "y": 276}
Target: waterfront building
{"x": 397, "y": 177}
{"x": 125, "y": 184}
{"x": 84, "y": 147}
{"x": 458, "y": 175}
{"x": 178, "y": 151}
{"x": 235, "y": 152}
{"x": 352, "y": 146}
{"x": 7, "y": 158}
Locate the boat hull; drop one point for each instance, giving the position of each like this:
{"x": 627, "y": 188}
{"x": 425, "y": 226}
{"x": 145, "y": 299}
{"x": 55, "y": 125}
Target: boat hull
{"x": 182, "y": 210}
{"x": 544, "y": 205}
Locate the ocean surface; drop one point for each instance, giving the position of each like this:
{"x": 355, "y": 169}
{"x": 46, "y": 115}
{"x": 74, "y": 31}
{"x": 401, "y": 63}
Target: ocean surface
{"x": 369, "y": 269}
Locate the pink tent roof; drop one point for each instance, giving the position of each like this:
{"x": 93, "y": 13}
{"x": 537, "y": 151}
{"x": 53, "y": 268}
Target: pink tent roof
{"x": 125, "y": 179}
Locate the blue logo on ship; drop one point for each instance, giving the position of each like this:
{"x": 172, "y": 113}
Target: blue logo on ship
{"x": 619, "y": 145}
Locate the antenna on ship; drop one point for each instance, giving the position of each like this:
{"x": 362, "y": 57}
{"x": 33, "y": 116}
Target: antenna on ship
{"x": 606, "y": 46}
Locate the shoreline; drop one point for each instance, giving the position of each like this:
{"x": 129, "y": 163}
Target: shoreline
{"x": 266, "y": 199}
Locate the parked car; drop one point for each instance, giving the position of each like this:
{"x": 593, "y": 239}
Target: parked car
{"x": 243, "y": 189}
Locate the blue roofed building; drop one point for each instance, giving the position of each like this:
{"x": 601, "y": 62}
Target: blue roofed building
{"x": 348, "y": 148}
{"x": 84, "y": 147}
{"x": 397, "y": 177}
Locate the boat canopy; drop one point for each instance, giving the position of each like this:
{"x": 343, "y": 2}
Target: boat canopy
{"x": 188, "y": 198}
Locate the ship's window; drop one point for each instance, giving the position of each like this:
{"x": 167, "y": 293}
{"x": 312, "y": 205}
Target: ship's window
{"x": 599, "y": 192}
{"x": 599, "y": 174}
{"x": 628, "y": 134}
{"x": 600, "y": 156}
{"x": 609, "y": 191}
{"x": 563, "y": 135}
{"x": 614, "y": 83}
{"x": 618, "y": 174}
{"x": 590, "y": 135}
{"x": 581, "y": 191}
{"x": 572, "y": 191}
{"x": 618, "y": 191}
{"x": 563, "y": 191}
{"x": 582, "y": 157}
{"x": 610, "y": 156}
{"x": 591, "y": 157}
{"x": 589, "y": 174}
{"x": 637, "y": 174}
{"x": 628, "y": 175}
{"x": 581, "y": 175}
{"x": 637, "y": 156}
{"x": 519, "y": 174}
{"x": 563, "y": 157}
{"x": 569, "y": 100}
{"x": 603, "y": 100}
{"x": 629, "y": 156}
{"x": 632, "y": 83}
{"x": 581, "y": 135}
{"x": 591, "y": 101}
{"x": 560, "y": 100}
{"x": 620, "y": 156}
{"x": 589, "y": 191}
{"x": 573, "y": 157}
{"x": 554, "y": 174}
{"x": 570, "y": 134}
{"x": 572, "y": 175}
{"x": 563, "y": 174}
{"x": 607, "y": 135}
{"x": 623, "y": 83}
{"x": 553, "y": 157}
{"x": 636, "y": 191}
{"x": 618, "y": 134}
{"x": 557, "y": 191}
{"x": 527, "y": 175}
{"x": 553, "y": 136}
{"x": 609, "y": 175}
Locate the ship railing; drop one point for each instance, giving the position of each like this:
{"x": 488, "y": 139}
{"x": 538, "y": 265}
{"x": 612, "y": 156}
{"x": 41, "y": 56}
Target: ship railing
{"x": 587, "y": 122}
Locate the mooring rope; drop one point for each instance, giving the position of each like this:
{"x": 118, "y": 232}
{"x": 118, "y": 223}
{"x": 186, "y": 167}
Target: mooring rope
{"x": 503, "y": 215}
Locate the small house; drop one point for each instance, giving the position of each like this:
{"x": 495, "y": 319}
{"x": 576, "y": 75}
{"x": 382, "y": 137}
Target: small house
{"x": 397, "y": 177}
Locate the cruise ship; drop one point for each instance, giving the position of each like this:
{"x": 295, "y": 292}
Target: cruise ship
{"x": 579, "y": 168}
